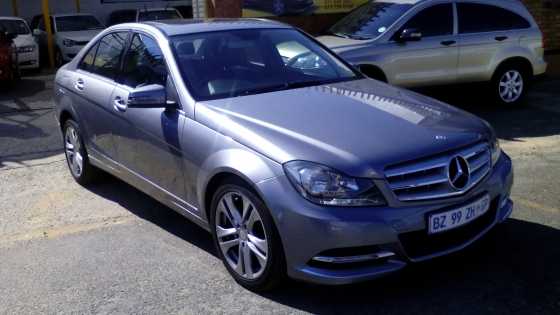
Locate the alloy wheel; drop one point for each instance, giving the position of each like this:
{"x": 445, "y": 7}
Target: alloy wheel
{"x": 73, "y": 147}
{"x": 510, "y": 86}
{"x": 241, "y": 235}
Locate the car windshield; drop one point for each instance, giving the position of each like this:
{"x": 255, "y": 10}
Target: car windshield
{"x": 158, "y": 15}
{"x": 77, "y": 23}
{"x": 370, "y": 20}
{"x": 243, "y": 62}
{"x": 14, "y": 26}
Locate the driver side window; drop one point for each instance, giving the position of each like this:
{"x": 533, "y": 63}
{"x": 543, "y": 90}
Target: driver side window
{"x": 144, "y": 63}
{"x": 436, "y": 20}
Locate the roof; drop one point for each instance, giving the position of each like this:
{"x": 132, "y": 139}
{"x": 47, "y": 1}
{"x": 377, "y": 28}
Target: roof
{"x": 192, "y": 26}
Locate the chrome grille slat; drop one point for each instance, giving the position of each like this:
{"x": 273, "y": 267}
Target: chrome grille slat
{"x": 427, "y": 178}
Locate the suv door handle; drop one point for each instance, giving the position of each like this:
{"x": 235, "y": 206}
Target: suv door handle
{"x": 500, "y": 38}
{"x": 119, "y": 104}
{"x": 448, "y": 42}
{"x": 79, "y": 85}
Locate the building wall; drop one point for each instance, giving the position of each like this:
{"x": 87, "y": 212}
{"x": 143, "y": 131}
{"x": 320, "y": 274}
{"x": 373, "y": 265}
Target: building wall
{"x": 30, "y": 8}
{"x": 547, "y": 15}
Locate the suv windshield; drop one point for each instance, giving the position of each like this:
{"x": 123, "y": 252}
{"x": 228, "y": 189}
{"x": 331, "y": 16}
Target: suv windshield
{"x": 242, "y": 62}
{"x": 77, "y": 23}
{"x": 14, "y": 27}
{"x": 158, "y": 15}
{"x": 370, "y": 20}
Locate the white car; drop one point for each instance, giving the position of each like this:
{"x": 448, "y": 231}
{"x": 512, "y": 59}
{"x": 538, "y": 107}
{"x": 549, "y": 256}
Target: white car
{"x": 142, "y": 15}
{"x": 27, "y": 48}
{"x": 71, "y": 32}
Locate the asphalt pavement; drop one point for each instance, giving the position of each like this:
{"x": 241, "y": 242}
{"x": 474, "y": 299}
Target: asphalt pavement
{"x": 109, "y": 248}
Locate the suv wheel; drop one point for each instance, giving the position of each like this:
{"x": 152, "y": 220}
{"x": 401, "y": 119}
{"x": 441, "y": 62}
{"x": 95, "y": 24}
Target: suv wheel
{"x": 509, "y": 85}
{"x": 246, "y": 238}
{"x": 76, "y": 155}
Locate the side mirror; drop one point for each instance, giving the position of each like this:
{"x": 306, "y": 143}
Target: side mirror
{"x": 11, "y": 36}
{"x": 410, "y": 35}
{"x": 36, "y": 32}
{"x": 149, "y": 96}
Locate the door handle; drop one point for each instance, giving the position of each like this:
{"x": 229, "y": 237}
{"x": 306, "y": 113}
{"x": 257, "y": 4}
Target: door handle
{"x": 79, "y": 85}
{"x": 448, "y": 42}
{"x": 119, "y": 104}
{"x": 500, "y": 38}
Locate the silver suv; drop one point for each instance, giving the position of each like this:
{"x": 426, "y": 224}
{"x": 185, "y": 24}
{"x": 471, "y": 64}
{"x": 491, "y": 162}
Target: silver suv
{"x": 417, "y": 43}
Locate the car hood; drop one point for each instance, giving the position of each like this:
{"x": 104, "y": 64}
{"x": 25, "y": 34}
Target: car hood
{"x": 79, "y": 36}
{"x": 24, "y": 40}
{"x": 339, "y": 44}
{"x": 358, "y": 127}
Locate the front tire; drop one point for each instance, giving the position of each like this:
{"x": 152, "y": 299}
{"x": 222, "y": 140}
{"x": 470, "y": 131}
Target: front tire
{"x": 509, "y": 85}
{"x": 76, "y": 156}
{"x": 246, "y": 238}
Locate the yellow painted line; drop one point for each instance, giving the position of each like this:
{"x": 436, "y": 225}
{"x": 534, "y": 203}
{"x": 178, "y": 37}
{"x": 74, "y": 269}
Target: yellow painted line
{"x": 536, "y": 205}
{"x": 57, "y": 232}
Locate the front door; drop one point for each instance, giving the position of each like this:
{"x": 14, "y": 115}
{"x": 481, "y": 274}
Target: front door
{"x": 431, "y": 60}
{"x": 149, "y": 143}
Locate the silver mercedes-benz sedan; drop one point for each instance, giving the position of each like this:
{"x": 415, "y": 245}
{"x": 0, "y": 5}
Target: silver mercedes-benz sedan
{"x": 298, "y": 166}
{"x": 414, "y": 43}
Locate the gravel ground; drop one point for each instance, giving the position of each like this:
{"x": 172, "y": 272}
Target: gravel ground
{"x": 111, "y": 249}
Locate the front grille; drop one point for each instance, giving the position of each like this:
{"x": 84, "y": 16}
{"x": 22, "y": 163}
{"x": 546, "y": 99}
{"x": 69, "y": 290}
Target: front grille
{"x": 419, "y": 243}
{"x": 428, "y": 179}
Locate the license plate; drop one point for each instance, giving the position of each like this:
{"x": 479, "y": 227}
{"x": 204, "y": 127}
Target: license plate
{"x": 451, "y": 219}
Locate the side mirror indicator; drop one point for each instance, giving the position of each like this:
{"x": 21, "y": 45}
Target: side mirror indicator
{"x": 410, "y": 35}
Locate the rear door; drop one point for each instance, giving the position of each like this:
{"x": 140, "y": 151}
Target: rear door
{"x": 484, "y": 31}
{"x": 149, "y": 141}
{"x": 93, "y": 83}
{"x": 431, "y": 60}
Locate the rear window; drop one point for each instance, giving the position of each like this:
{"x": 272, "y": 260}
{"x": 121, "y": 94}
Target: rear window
{"x": 478, "y": 18}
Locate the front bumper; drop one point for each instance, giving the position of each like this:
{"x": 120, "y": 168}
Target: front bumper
{"x": 309, "y": 231}
{"x": 29, "y": 60}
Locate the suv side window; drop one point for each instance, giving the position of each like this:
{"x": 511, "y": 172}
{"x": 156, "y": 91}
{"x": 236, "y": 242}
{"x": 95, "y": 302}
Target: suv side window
{"x": 477, "y": 18}
{"x": 144, "y": 63}
{"x": 108, "y": 57}
{"x": 87, "y": 62}
{"x": 436, "y": 20}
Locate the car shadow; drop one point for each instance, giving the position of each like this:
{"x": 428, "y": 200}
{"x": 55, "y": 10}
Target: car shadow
{"x": 147, "y": 208}
{"x": 537, "y": 116}
{"x": 512, "y": 269}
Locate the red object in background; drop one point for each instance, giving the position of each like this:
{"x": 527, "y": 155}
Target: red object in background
{"x": 7, "y": 58}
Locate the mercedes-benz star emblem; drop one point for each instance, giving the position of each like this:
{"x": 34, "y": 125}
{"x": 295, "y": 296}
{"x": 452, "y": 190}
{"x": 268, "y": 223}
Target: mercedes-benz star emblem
{"x": 458, "y": 173}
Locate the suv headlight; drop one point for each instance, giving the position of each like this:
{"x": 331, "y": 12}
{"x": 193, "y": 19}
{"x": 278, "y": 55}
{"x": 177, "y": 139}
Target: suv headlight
{"x": 496, "y": 150}
{"x": 69, "y": 43}
{"x": 325, "y": 186}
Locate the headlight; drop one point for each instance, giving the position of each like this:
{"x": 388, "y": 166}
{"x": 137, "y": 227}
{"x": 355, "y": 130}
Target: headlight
{"x": 496, "y": 151}
{"x": 26, "y": 49}
{"x": 69, "y": 43}
{"x": 325, "y": 186}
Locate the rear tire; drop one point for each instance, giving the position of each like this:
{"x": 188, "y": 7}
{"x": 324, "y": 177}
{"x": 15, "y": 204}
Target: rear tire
{"x": 509, "y": 84}
{"x": 76, "y": 155}
{"x": 242, "y": 227}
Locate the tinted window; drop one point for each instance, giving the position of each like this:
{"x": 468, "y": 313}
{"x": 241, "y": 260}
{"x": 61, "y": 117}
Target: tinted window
{"x": 77, "y": 23}
{"x": 158, "y": 15}
{"x": 14, "y": 26}
{"x": 108, "y": 57}
{"x": 87, "y": 61}
{"x": 433, "y": 21}
{"x": 144, "y": 63}
{"x": 476, "y": 18}
{"x": 369, "y": 20}
{"x": 242, "y": 62}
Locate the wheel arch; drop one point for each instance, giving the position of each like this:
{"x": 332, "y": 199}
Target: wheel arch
{"x": 373, "y": 71}
{"x": 517, "y": 61}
